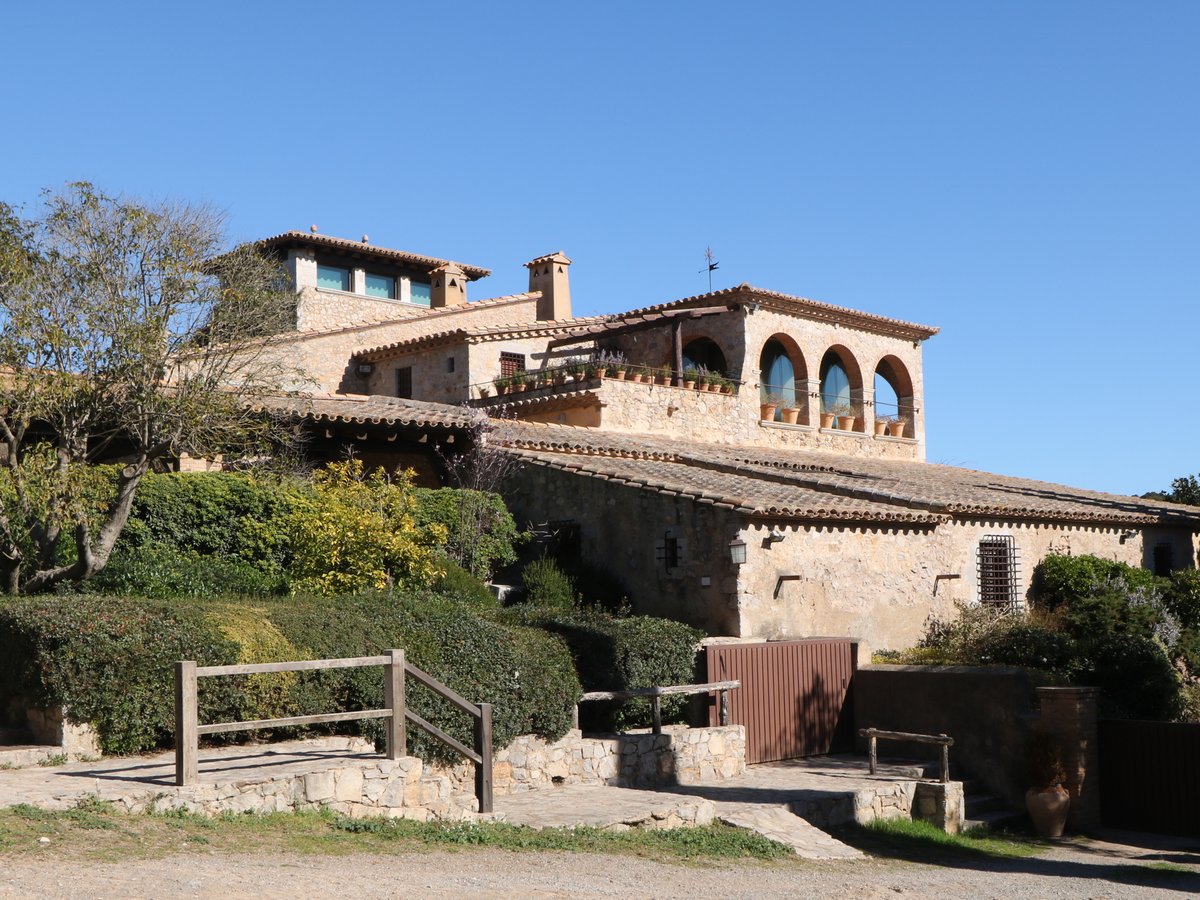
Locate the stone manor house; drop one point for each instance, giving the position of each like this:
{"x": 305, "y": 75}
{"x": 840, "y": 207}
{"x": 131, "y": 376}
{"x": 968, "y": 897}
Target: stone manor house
{"x": 744, "y": 460}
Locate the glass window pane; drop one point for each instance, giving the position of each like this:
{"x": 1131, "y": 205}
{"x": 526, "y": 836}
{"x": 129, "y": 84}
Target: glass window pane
{"x": 381, "y": 286}
{"x": 420, "y": 293}
{"x": 835, "y": 387}
{"x": 333, "y": 278}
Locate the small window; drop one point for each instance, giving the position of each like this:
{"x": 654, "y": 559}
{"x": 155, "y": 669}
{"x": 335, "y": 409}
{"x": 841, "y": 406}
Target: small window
{"x": 449, "y": 363}
{"x": 333, "y": 278}
{"x": 998, "y": 572}
{"x": 419, "y": 293}
{"x": 383, "y": 286}
{"x": 1164, "y": 559}
{"x": 404, "y": 383}
{"x": 511, "y": 363}
{"x": 671, "y": 552}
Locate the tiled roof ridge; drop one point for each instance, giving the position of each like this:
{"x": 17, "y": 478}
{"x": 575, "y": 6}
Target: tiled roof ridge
{"x": 490, "y": 332}
{"x": 328, "y": 240}
{"x": 748, "y": 292}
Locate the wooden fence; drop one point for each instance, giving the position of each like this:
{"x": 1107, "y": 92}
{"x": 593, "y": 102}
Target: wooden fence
{"x": 395, "y": 710}
{"x": 1150, "y": 776}
{"x": 673, "y": 690}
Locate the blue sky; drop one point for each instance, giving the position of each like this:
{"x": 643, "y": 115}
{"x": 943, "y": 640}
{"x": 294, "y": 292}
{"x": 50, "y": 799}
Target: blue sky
{"x": 1022, "y": 175}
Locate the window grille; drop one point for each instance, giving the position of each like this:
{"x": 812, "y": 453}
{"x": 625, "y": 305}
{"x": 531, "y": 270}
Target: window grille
{"x": 998, "y": 572}
{"x": 511, "y": 363}
{"x": 404, "y": 383}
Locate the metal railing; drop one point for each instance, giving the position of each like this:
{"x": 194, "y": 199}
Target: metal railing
{"x": 657, "y": 693}
{"x": 188, "y": 730}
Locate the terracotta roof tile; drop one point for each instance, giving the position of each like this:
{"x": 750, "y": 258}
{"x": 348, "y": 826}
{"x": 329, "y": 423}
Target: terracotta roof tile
{"x": 365, "y": 409}
{"x": 323, "y": 240}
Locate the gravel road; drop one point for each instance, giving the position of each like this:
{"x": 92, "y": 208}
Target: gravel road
{"x": 1063, "y": 872}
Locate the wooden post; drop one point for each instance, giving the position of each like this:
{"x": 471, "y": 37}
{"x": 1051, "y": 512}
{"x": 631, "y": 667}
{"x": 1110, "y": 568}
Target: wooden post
{"x": 945, "y": 761}
{"x": 723, "y": 717}
{"x": 186, "y": 712}
{"x": 393, "y": 699}
{"x": 656, "y": 711}
{"x": 483, "y": 746}
{"x": 872, "y": 748}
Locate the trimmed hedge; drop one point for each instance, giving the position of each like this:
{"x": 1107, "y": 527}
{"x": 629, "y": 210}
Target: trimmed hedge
{"x": 613, "y": 654}
{"x": 110, "y": 663}
{"x": 482, "y": 534}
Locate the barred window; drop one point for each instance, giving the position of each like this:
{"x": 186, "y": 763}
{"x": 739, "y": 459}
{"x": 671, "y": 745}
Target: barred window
{"x": 404, "y": 383}
{"x": 511, "y": 363}
{"x": 998, "y": 571}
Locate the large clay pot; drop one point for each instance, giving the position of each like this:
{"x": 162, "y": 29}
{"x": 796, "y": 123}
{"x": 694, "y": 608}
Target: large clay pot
{"x": 827, "y": 420}
{"x": 880, "y": 428}
{"x": 896, "y": 429}
{"x": 790, "y": 415}
{"x": 1048, "y": 810}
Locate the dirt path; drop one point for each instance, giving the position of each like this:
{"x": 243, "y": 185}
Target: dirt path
{"x": 1064, "y": 872}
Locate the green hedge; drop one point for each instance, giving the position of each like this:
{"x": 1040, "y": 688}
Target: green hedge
{"x": 613, "y": 654}
{"x": 110, "y": 662}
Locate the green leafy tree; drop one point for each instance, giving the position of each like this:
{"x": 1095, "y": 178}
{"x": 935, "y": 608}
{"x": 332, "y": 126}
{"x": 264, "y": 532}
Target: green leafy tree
{"x": 125, "y": 333}
{"x": 358, "y": 532}
{"x": 1185, "y": 489}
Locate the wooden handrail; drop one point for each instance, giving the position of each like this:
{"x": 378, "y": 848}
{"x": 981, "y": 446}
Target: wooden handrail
{"x": 395, "y": 711}
{"x": 873, "y": 734}
{"x": 654, "y": 693}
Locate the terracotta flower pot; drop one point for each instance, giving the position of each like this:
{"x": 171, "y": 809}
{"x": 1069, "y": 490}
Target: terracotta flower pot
{"x": 881, "y": 428}
{"x": 790, "y": 415}
{"x": 846, "y": 423}
{"x": 1048, "y": 810}
{"x": 827, "y": 420}
{"x": 896, "y": 429}
{"x": 766, "y": 412}
{"x": 620, "y": 375}
{"x": 690, "y": 385}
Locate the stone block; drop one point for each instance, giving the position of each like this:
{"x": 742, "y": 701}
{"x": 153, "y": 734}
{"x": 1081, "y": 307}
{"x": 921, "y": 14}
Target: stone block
{"x": 348, "y": 785}
{"x": 318, "y": 786}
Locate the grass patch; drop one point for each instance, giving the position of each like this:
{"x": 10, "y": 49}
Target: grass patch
{"x": 921, "y": 841}
{"x": 93, "y": 830}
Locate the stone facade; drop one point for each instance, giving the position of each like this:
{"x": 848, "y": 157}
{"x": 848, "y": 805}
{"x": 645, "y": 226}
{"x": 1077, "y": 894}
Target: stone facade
{"x": 323, "y": 310}
{"x": 878, "y": 583}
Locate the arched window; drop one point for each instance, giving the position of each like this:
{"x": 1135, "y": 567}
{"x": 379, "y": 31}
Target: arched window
{"x": 703, "y": 352}
{"x": 894, "y": 394}
{"x": 835, "y": 383}
{"x": 777, "y": 376}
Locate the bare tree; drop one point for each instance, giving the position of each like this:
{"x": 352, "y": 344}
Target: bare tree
{"x": 126, "y": 334}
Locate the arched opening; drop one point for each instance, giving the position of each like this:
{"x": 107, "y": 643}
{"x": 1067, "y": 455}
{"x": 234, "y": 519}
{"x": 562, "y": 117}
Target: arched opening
{"x": 841, "y": 388}
{"x": 894, "y": 397}
{"x": 782, "y": 376}
{"x": 704, "y": 353}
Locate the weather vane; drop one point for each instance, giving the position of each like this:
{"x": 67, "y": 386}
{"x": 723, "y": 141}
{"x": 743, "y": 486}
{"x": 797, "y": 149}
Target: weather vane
{"x": 712, "y": 264}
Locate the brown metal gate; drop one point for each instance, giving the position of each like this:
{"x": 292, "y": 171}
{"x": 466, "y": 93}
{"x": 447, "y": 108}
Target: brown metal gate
{"x": 1149, "y": 777}
{"x": 793, "y": 699}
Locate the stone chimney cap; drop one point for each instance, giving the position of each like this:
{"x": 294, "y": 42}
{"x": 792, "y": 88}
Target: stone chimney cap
{"x": 557, "y": 256}
{"x": 448, "y": 266}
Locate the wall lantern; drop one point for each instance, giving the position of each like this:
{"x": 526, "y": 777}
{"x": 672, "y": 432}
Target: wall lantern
{"x": 737, "y": 551}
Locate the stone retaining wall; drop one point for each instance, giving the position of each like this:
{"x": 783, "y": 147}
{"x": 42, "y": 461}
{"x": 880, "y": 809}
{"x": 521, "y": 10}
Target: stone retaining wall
{"x": 680, "y": 755}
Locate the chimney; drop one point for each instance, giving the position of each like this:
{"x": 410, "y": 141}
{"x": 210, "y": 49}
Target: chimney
{"x": 548, "y": 274}
{"x": 449, "y": 286}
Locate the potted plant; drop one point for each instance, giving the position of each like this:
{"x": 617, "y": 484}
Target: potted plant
{"x": 790, "y": 414}
{"x": 896, "y": 426}
{"x": 690, "y": 374}
{"x": 881, "y": 425}
{"x": 1046, "y": 800}
{"x": 485, "y": 392}
{"x": 503, "y": 385}
{"x": 766, "y": 409}
{"x": 520, "y": 381}
{"x": 615, "y": 365}
{"x": 845, "y": 416}
{"x": 725, "y": 384}
{"x": 576, "y": 368}
{"x": 662, "y": 375}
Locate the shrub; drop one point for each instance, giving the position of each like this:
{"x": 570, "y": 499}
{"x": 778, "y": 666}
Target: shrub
{"x": 110, "y": 662}
{"x": 162, "y": 572}
{"x": 215, "y": 514}
{"x": 1134, "y": 674}
{"x": 481, "y": 533}
{"x": 547, "y": 586}
{"x": 1028, "y": 646}
{"x": 1182, "y": 597}
{"x": 613, "y": 654}
{"x": 456, "y": 583}
{"x": 358, "y": 532}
